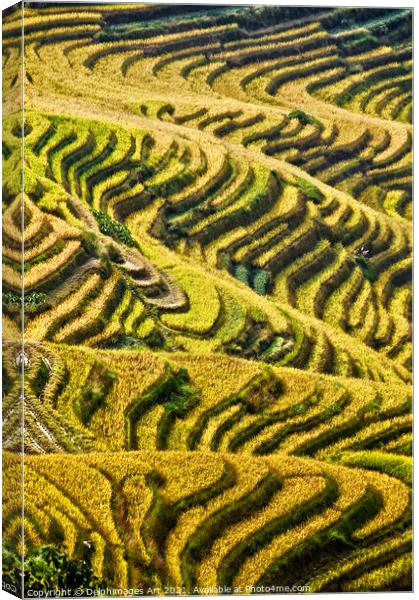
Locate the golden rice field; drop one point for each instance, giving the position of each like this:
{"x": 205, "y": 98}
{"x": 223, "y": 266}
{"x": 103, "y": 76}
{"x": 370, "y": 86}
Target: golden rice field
{"x": 216, "y": 211}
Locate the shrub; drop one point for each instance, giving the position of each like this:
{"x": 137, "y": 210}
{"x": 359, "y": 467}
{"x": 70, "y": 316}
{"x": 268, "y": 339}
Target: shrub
{"x": 242, "y": 274}
{"x": 48, "y": 568}
{"x": 261, "y": 281}
{"x": 31, "y": 299}
{"x": 118, "y": 231}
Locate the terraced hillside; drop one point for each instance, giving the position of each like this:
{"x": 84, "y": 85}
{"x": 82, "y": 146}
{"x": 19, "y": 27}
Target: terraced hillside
{"x": 216, "y": 215}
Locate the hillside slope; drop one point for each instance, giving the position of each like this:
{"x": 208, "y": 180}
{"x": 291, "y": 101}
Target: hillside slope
{"x": 217, "y": 212}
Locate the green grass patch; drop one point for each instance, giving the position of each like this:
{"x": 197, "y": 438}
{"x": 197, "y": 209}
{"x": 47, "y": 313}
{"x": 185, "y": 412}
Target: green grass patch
{"x": 309, "y": 190}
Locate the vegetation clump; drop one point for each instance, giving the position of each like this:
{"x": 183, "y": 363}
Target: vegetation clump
{"x": 118, "y": 231}
{"x": 310, "y": 190}
{"x": 30, "y": 299}
{"x": 46, "y": 568}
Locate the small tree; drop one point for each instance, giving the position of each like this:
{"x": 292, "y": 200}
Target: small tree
{"x": 47, "y": 568}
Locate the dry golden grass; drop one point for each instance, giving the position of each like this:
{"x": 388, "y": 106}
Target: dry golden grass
{"x": 238, "y": 202}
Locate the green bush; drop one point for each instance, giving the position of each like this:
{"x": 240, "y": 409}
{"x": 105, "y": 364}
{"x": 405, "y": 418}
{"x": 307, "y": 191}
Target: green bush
{"x": 242, "y": 274}
{"x": 261, "y": 281}
{"x": 48, "y": 568}
{"x": 31, "y": 299}
{"x": 116, "y": 230}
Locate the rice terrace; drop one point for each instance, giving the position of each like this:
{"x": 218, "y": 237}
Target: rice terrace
{"x": 217, "y": 223}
